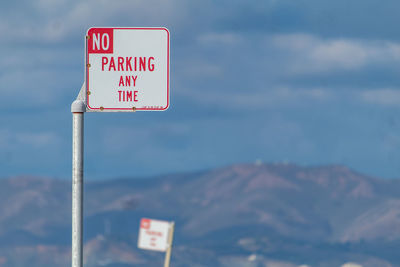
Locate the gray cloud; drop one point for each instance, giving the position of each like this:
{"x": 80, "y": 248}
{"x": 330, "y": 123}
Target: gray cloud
{"x": 277, "y": 80}
{"x": 385, "y": 97}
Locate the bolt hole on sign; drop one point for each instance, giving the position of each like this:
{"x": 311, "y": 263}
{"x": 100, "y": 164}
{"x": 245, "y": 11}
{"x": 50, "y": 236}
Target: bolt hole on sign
{"x": 153, "y": 234}
{"x": 127, "y": 69}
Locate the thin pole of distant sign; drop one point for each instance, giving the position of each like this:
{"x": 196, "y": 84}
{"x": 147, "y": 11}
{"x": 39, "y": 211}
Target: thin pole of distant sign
{"x": 78, "y": 109}
{"x": 169, "y": 249}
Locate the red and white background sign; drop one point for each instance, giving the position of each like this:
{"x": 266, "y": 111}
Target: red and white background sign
{"x": 127, "y": 69}
{"x": 153, "y": 234}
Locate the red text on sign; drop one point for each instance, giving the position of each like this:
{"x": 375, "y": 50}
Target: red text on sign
{"x": 154, "y": 233}
{"x": 127, "y": 96}
{"x": 100, "y": 41}
{"x": 127, "y": 64}
{"x": 127, "y": 81}
{"x": 145, "y": 224}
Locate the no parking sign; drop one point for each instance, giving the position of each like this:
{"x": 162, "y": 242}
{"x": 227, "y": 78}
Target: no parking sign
{"x": 127, "y": 69}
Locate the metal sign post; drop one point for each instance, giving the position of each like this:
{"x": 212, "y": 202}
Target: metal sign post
{"x": 78, "y": 109}
{"x": 169, "y": 249}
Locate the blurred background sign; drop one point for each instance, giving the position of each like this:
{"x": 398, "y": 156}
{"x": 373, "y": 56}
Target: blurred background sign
{"x": 154, "y": 234}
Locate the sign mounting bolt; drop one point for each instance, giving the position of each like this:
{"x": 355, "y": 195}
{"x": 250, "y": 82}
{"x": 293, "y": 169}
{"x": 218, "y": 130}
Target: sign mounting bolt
{"x": 88, "y": 93}
{"x": 101, "y": 108}
{"x": 88, "y": 65}
{"x": 87, "y": 37}
{"x": 133, "y": 109}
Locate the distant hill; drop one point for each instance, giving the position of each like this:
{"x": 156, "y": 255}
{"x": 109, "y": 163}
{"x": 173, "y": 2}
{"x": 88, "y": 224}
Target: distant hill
{"x": 277, "y": 215}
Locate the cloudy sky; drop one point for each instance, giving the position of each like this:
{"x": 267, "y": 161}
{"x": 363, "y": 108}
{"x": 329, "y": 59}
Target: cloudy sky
{"x": 310, "y": 82}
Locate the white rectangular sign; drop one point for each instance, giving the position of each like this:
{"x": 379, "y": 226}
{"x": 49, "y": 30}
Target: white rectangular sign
{"x": 153, "y": 234}
{"x": 127, "y": 69}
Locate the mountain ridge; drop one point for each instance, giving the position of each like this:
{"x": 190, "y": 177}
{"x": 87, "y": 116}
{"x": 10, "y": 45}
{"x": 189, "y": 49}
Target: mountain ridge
{"x": 281, "y": 212}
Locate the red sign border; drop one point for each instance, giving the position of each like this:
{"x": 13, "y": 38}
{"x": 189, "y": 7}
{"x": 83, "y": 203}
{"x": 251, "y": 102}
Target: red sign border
{"x": 87, "y": 69}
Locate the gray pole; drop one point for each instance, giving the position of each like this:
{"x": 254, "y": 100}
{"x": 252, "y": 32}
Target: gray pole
{"x": 77, "y": 108}
{"x": 167, "y": 260}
